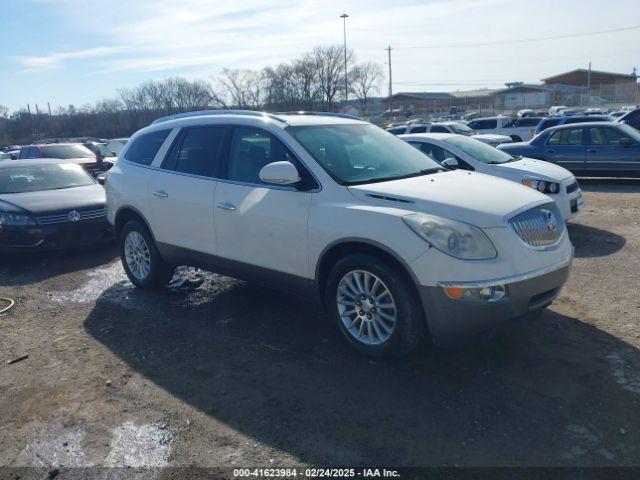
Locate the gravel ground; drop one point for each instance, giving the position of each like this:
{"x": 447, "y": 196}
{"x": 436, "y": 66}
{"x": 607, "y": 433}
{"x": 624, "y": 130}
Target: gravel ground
{"x": 215, "y": 372}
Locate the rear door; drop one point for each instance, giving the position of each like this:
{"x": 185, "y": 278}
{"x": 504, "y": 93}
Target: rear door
{"x": 567, "y": 148}
{"x": 181, "y": 192}
{"x": 606, "y": 156}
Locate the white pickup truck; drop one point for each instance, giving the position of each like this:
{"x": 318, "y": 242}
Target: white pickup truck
{"x": 519, "y": 129}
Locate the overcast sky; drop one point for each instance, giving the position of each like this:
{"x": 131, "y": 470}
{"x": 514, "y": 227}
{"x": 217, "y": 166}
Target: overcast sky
{"x": 79, "y": 51}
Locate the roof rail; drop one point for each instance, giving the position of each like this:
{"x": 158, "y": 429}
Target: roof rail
{"x": 200, "y": 113}
{"x": 323, "y": 114}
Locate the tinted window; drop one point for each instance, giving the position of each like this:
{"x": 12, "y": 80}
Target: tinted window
{"x": 144, "y": 148}
{"x": 418, "y": 130}
{"x": 200, "y": 151}
{"x": 483, "y": 124}
{"x": 34, "y": 178}
{"x": 605, "y": 136}
{"x": 567, "y": 136}
{"x": 397, "y": 130}
{"x": 65, "y": 151}
{"x": 250, "y": 150}
{"x": 439, "y": 129}
{"x": 528, "y": 121}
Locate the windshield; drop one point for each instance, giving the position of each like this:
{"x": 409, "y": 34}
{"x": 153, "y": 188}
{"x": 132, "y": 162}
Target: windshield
{"x": 479, "y": 150}
{"x": 36, "y": 178}
{"x": 354, "y": 154}
{"x": 66, "y": 151}
{"x": 461, "y": 129}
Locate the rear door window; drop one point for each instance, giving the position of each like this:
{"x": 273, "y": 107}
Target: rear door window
{"x": 144, "y": 148}
{"x": 198, "y": 151}
{"x": 439, "y": 129}
{"x": 567, "y": 136}
{"x": 483, "y": 124}
{"x": 418, "y": 130}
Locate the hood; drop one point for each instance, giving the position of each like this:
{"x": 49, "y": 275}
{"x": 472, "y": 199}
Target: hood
{"x": 536, "y": 169}
{"x": 57, "y": 201}
{"x": 470, "y": 197}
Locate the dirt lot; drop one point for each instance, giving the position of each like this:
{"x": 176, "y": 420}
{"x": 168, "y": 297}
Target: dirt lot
{"x": 216, "y": 372}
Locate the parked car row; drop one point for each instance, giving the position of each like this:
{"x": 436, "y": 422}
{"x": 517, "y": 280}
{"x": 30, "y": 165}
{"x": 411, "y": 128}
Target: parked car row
{"x": 449, "y": 127}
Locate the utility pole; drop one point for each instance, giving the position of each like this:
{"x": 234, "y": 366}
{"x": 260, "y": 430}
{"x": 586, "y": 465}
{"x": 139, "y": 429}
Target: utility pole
{"x": 588, "y": 82}
{"x": 388, "y": 49}
{"x": 49, "y": 107}
{"x": 28, "y": 108}
{"x": 344, "y": 17}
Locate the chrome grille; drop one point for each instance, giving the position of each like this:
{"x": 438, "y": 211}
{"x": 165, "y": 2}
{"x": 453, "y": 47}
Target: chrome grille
{"x": 539, "y": 227}
{"x": 572, "y": 188}
{"x": 64, "y": 217}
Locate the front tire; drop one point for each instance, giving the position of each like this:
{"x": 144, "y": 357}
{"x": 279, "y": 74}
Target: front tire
{"x": 375, "y": 306}
{"x": 140, "y": 258}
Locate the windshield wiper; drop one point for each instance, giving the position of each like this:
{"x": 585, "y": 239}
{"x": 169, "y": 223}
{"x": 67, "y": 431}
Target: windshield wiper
{"x": 426, "y": 171}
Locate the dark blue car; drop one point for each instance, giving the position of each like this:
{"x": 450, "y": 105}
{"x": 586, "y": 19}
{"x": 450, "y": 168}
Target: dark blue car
{"x": 586, "y": 149}
{"x": 548, "y": 122}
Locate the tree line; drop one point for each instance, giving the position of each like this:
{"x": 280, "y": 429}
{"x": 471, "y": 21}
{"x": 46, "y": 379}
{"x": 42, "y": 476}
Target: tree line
{"x": 313, "y": 81}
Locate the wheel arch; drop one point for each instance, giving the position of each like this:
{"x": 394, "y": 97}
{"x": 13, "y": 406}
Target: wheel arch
{"x": 127, "y": 213}
{"x": 341, "y": 248}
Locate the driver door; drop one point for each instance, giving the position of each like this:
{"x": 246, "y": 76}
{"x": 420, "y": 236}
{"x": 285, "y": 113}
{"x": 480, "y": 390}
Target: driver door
{"x": 259, "y": 224}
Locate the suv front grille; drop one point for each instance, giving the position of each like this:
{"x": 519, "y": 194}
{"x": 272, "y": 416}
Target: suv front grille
{"x": 539, "y": 227}
{"x": 572, "y": 188}
{"x": 64, "y": 217}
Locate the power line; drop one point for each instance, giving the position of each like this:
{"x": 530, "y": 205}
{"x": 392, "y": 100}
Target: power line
{"x": 521, "y": 40}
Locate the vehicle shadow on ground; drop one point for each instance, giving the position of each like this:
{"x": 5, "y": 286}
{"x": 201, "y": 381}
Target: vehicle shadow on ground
{"x": 610, "y": 185}
{"x": 553, "y": 392}
{"x": 25, "y": 269}
{"x": 592, "y": 242}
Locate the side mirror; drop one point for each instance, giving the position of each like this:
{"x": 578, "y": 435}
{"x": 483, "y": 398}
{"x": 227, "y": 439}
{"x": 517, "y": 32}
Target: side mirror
{"x": 450, "y": 163}
{"x": 101, "y": 178}
{"x": 279, "y": 173}
{"x": 625, "y": 142}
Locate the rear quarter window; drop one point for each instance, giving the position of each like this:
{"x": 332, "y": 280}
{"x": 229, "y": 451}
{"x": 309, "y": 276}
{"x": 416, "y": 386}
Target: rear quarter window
{"x": 144, "y": 148}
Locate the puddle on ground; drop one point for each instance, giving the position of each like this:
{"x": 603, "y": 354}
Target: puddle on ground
{"x": 110, "y": 283}
{"x": 140, "y": 446}
{"x": 131, "y": 445}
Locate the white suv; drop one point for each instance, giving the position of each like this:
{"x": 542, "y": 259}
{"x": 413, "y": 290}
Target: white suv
{"x": 338, "y": 209}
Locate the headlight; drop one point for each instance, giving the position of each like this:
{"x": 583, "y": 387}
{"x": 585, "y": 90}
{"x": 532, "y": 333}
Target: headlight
{"x": 15, "y": 219}
{"x": 542, "y": 186}
{"x": 457, "y": 239}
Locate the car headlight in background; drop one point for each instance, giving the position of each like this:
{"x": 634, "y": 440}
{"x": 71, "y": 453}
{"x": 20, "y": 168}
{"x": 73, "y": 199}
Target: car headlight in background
{"x": 15, "y": 219}
{"x": 457, "y": 239}
{"x": 542, "y": 185}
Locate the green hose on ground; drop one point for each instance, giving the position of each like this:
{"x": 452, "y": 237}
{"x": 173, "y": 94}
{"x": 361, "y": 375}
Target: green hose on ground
{"x": 10, "y": 303}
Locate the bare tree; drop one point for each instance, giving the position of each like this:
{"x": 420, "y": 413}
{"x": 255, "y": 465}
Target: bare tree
{"x": 329, "y": 65}
{"x": 364, "y": 80}
{"x": 243, "y": 87}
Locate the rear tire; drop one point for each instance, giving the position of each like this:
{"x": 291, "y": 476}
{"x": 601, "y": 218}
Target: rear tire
{"x": 375, "y": 305}
{"x": 140, "y": 258}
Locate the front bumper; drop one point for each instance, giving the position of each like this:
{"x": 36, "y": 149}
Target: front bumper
{"x": 453, "y": 322}
{"x": 569, "y": 203}
{"x": 53, "y": 237}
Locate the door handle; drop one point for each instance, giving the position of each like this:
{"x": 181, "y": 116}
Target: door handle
{"x": 592, "y": 150}
{"x": 548, "y": 150}
{"x": 160, "y": 194}
{"x": 226, "y": 206}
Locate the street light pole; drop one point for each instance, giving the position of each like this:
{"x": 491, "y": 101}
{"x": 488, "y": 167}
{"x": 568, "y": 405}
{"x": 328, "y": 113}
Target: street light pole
{"x": 344, "y": 17}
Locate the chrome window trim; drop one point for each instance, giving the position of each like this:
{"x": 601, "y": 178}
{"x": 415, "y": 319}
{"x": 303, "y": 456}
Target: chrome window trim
{"x": 512, "y": 278}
